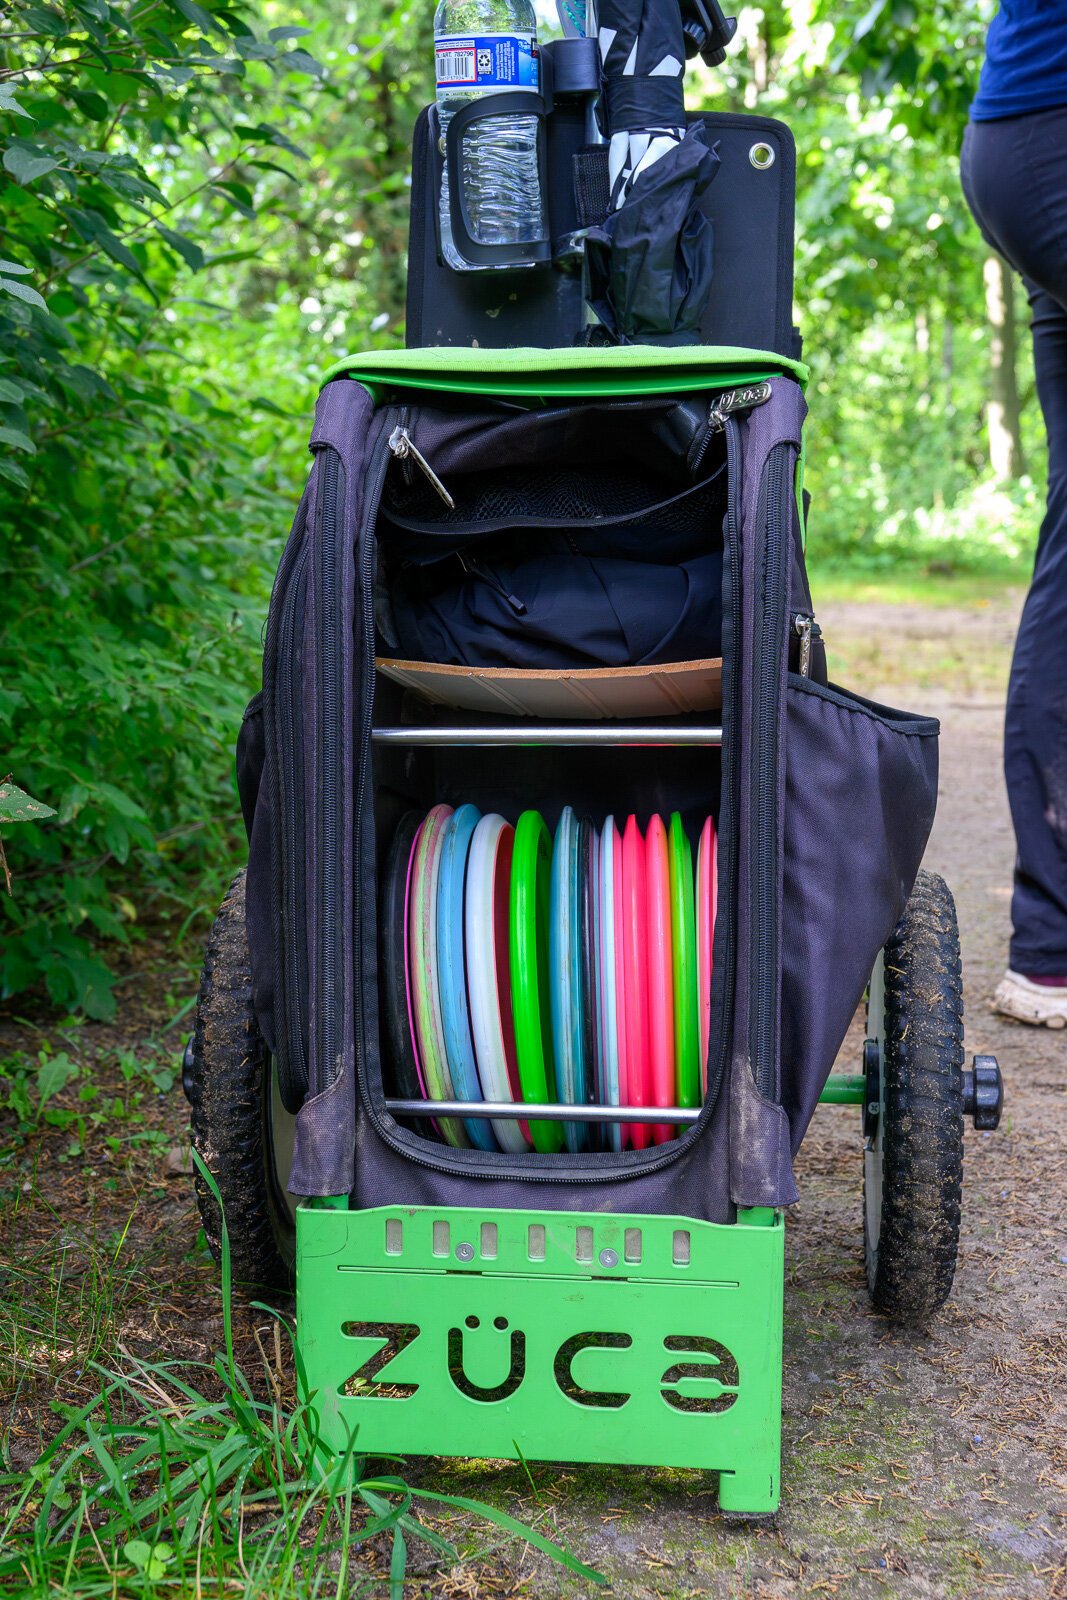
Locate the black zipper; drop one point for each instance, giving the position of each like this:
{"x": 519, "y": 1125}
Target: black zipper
{"x": 292, "y": 1069}
{"x": 725, "y": 931}
{"x": 291, "y": 813}
{"x": 329, "y": 657}
{"x": 764, "y": 756}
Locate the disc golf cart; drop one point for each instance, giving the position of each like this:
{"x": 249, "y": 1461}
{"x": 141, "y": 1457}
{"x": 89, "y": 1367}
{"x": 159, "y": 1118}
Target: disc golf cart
{"x": 574, "y": 1290}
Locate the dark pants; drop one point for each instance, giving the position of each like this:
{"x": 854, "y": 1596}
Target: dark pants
{"x": 1015, "y": 179}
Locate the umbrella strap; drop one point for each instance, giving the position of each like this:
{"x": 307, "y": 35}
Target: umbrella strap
{"x": 643, "y": 104}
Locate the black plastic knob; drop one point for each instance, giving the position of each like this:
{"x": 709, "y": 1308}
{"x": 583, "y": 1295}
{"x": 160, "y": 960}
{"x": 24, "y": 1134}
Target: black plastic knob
{"x": 189, "y": 1079}
{"x": 983, "y": 1093}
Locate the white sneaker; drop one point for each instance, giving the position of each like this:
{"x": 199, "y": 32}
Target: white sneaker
{"x": 1026, "y": 1001}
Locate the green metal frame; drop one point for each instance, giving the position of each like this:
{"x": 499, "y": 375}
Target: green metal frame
{"x": 553, "y": 1336}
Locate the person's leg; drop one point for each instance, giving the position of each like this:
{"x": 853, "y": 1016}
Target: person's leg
{"x": 1035, "y": 732}
{"x": 1017, "y": 189}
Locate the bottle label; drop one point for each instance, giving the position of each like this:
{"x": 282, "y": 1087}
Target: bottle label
{"x": 484, "y": 61}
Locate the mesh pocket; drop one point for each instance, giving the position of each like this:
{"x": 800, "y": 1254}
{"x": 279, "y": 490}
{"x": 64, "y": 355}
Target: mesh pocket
{"x": 556, "y": 496}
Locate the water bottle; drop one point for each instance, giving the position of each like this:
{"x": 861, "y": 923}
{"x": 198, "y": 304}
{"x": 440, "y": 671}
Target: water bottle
{"x": 485, "y": 47}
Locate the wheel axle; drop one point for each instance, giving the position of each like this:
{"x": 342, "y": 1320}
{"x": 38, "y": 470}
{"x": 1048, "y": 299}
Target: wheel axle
{"x": 983, "y": 1093}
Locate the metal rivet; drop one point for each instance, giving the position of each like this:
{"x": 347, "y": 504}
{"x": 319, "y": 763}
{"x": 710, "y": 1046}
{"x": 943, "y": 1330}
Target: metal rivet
{"x": 762, "y": 156}
{"x": 609, "y": 1258}
{"x": 464, "y": 1252}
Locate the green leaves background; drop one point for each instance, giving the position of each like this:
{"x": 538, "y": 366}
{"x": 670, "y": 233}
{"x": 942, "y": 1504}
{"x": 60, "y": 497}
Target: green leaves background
{"x": 201, "y": 205}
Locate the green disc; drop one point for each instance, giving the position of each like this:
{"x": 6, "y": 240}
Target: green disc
{"x": 531, "y": 997}
{"x": 684, "y": 944}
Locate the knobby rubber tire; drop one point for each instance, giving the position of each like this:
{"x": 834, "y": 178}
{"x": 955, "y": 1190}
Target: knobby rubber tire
{"x": 911, "y": 1265}
{"x": 229, "y": 1090}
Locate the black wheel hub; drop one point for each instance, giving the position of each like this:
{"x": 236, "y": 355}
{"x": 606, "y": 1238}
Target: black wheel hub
{"x": 983, "y": 1093}
{"x": 872, "y": 1100}
{"x": 190, "y": 1081}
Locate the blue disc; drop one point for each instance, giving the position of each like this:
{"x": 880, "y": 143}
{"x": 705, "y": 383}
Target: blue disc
{"x": 565, "y": 958}
{"x": 452, "y": 971}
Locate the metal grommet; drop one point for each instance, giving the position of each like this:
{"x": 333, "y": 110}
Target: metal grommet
{"x": 464, "y": 1252}
{"x": 609, "y": 1258}
{"x": 762, "y": 156}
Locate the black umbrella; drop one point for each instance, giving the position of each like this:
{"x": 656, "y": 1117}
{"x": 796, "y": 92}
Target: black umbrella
{"x": 650, "y": 263}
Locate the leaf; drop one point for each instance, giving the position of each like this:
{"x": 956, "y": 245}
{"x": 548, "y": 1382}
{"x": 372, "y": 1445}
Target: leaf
{"x": 9, "y": 103}
{"x": 18, "y": 440}
{"x": 197, "y": 15}
{"x": 239, "y": 196}
{"x": 188, "y": 249}
{"x": 13, "y": 268}
{"x": 300, "y": 61}
{"x": 24, "y": 165}
{"x": 864, "y": 26}
{"x": 18, "y": 806}
{"x": 278, "y": 35}
{"x": 93, "y": 105}
{"x": 53, "y": 1074}
{"x": 22, "y": 291}
{"x": 13, "y": 472}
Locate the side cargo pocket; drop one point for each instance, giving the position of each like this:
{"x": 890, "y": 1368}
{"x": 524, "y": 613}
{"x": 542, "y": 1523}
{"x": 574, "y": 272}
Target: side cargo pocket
{"x": 860, "y": 793}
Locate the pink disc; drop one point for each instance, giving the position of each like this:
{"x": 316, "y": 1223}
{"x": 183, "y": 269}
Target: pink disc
{"x": 407, "y": 964}
{"x": 620, "y": 983}
{"x": 707, "y": 897}
{"x": 660, "y": 975}
{"x": 635, "y": 950}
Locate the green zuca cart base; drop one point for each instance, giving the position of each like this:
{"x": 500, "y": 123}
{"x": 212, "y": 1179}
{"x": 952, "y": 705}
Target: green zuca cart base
{"x": 553, "y": 1336}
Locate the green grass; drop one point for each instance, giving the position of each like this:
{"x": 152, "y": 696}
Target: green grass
{"x": 914, "y": 583}
{"x": 198, "y": 1479}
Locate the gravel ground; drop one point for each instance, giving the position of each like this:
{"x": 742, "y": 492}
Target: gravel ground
{"x": 914, "y": 1465}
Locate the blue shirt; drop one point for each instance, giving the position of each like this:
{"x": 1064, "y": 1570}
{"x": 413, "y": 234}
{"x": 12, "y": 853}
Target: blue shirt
{"x": 1025, "y": 67}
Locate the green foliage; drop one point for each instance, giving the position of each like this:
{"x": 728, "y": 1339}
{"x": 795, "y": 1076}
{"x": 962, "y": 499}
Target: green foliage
{"x": 889, "y": 294}
{"x": 201, "y": 204}
{"x": 141, "y": 520}
{"x": 183, "y": 1474}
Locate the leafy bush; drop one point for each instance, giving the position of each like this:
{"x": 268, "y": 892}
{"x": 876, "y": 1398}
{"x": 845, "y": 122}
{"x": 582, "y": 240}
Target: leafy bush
{"x": 140, "y": 526}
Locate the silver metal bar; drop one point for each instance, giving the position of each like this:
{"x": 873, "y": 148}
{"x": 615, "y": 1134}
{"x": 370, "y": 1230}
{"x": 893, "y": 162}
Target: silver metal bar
{"x": 565, "y": 733}
{"x": 510, "y": 1109}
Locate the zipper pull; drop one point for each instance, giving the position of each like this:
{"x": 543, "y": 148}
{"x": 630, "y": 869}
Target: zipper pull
{"x": 734, "y": 400}
{"x": 404, "y": 448}
{"x": 476, "y": 570}
{"x": 806, "y": 629}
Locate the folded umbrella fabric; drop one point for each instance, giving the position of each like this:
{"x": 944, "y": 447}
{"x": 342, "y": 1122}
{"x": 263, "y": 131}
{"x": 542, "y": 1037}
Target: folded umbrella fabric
{"x": 650, "y": 264}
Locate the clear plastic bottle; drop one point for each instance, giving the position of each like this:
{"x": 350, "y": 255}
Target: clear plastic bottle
{"x": 483, "y": 47}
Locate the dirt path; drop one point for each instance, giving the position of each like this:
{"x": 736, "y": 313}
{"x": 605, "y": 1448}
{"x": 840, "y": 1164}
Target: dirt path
{"x": 914, "y": 1465}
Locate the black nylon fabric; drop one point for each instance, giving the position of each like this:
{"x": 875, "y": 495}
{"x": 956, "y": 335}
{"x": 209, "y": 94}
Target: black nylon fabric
{"x": 860, "y": 792}
{"x": 576, "y": 611}
{"x": 650, "y": 265}
{"x": 858, "y": 795}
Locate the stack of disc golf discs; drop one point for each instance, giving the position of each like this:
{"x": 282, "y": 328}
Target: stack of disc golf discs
{"x": 518, "y": 968}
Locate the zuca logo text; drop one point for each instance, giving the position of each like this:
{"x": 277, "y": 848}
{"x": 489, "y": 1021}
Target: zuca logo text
{"x": 707, "y": 1360}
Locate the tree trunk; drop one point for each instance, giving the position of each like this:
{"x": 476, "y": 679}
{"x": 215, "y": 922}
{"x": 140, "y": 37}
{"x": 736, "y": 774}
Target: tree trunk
{"x": 1002, "y": 416}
